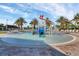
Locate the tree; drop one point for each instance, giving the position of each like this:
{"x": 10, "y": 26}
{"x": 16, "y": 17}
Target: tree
{"x": 63, "y": 22}
{"x": 1, "y": 26}
{"x": 49, "y": 25}
{"x": 34, "y": 22}
{"x": 20, "y": 21}
{"x": 48, "y": 22}
{"x": 76, "y": 19}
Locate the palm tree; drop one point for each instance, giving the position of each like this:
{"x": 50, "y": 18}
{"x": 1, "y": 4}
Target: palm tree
{"x": 67, "y": 23}
{"x": 20, "y": 21}
{"x": 63, "y": 22}
{"x": 76, "y": 19}
{"x": 34, "y": 22}
{"x": 48, "y": 22}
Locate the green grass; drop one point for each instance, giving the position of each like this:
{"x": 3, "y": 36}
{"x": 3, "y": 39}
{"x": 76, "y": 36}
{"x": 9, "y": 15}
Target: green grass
{"x": 2, "y": 32}
{"x": 21, "y": 31}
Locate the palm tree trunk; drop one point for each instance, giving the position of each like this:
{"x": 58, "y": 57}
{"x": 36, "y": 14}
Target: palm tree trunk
{"x": 34, "y": 26}
{"x": 75, "y": 27}
{"x": 18, "y": 27}
{"x": 21, "y": 27}
{"x": 61, "y": 26}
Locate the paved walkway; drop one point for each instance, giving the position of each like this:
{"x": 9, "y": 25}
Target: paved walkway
{"x": 71, "y": 48}
{"x": 28, "y": 51}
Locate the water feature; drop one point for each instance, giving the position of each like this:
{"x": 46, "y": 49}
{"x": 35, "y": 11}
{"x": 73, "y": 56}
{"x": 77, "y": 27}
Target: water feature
{"x": 27, "y": 39}
{"x": 42, "y": 38}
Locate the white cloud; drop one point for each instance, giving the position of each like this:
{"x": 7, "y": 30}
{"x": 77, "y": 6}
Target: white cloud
{"x": 60, "y": 10}
{"x": 19, "y": 4}
{"x": 7, "y": 9}
{"x": 31, "y": 6}
{"x": 11, "y": 10}
{"x": 52, "y": 9}
{"x": 56, "y": 9}
{"x": 7, "y": 19}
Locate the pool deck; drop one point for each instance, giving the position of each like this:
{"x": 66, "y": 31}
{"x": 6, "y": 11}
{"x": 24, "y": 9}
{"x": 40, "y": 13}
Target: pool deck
{"x": 29, "y": 51}
{"x": 72, "y": 48}
{"x": 25, "y": 51}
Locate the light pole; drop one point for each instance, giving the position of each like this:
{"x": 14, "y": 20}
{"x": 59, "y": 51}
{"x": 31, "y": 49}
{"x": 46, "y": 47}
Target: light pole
{"x": 6, "y": 24}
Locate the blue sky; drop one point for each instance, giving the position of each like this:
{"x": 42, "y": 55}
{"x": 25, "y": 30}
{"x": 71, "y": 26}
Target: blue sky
{"x": 29, "y": 11}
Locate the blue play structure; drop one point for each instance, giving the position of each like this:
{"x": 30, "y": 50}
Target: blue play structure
{"x": 41, "y": 31}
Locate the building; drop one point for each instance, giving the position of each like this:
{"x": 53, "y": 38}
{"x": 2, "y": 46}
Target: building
{"x": 8, "y": 27}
